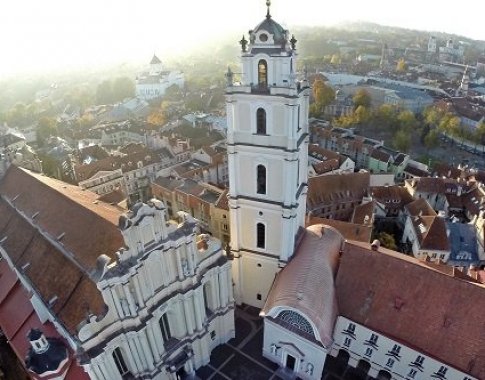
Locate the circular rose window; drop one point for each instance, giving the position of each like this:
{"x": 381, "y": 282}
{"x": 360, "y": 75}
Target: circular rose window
{"x": 263, "y": 37}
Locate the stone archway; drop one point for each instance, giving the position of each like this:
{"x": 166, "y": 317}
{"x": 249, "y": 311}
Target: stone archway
{"x": 383, "y": 375}
{"x": 363, "y": 367}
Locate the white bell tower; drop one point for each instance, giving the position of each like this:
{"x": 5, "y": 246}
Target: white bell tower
{"x": 267, "y": 144}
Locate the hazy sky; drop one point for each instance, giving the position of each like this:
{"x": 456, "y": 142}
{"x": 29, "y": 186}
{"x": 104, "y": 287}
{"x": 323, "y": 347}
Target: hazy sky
{"x": 38, "y": 34}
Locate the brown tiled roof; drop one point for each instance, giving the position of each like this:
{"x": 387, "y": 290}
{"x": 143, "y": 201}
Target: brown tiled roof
{"x": 393, "y": 197}
{"x": 380, "y": 155}
{"x": 414, "y": 303}
{"x": 94, "y": 151}
{"x": 415, "y": 172}
{"x": 331, "y": 188}
{"x": 473, "y": 201}
{"x": 326, "y": 166}
{"x": 420, "y": 207}
{"x": 126, "y": 163}
{"x": 132, "y": 148}
{"x": 313, "y": 267}
{"x": 35, "y": 209}
{"x": 431, "y": 232}
{"x": 447, "y": 171}
{"x": 350, "y": 231}
{"x": 321, "y": 153}
{"x": 223, "y": 202}
{"x": 454, "y": 201}
{"x": 114, "y": 197}
{"x": 364, "y": 214}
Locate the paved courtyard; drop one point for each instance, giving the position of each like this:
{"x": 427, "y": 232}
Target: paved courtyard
{"x": 241, "y": 357}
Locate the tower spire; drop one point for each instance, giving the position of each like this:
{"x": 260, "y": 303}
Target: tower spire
{"x": 268, "y": 4}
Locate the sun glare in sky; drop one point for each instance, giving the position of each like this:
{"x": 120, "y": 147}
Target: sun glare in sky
{"x": 54, "y": 34}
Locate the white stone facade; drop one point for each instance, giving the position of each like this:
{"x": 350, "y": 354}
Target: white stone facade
{"x": 384, "y": 356}
{"x": 169, "y": 300}
{"x": 300, "y": 356}
{"x": 267, "y": 146}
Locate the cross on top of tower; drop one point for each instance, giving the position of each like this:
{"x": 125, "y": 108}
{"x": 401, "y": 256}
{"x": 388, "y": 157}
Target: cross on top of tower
{"x": 268, "y": 4}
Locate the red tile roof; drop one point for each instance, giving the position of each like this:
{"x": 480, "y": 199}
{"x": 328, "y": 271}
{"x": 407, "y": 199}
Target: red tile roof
{"x": 420, "y": 207}
{"x": 349, "y": 231}
{"x": 17, "y": 317}
{"x": 332, "y": 188}
{"x": 438, "y": 314}
{"x": 54, "y": 234}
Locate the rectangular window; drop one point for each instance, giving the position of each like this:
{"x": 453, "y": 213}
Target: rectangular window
{"x": 165, "y": 328}
{"x": 368, "y": 352}
{"x": 419, "y": 360}
{"x": 347, "y": 342}
{"x": 373, "y": 338}
{"x": 120, "y": 361}
{"x": 390, "y": 362}
{"x": 442, "y": 371}
{"x": 396, "y": 349}
{"x": 412, "y": 373}
{"x": 260, "y": 235}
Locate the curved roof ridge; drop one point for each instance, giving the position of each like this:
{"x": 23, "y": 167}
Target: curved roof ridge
{"x": 313, "y": 267}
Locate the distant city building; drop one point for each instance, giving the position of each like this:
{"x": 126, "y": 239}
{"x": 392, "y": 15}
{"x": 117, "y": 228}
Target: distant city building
{"x": 450, "y": 53}
{"x": 153, "y": 84}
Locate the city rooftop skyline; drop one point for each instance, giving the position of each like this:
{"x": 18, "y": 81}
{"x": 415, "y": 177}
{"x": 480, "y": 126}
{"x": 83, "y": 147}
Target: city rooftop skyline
{"x": 53, "y": 34}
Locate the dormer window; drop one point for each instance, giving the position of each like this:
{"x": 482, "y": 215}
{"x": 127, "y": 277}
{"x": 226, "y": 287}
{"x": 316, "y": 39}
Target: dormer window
{"x": 262, "y": 73}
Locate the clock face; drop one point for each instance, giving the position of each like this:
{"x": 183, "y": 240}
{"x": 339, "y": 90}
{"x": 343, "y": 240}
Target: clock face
{"x": 263, "y": 37}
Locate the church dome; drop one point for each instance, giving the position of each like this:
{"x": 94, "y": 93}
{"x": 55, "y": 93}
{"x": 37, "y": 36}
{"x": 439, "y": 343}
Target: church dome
{"x": 273, "y": 28}
{"x": 269, "y": 31}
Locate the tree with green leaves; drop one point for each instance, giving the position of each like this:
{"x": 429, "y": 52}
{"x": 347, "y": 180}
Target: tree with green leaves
{"x": 385, "y": 117}
{"x": 402, "y": 141}
{"x": 18, "y": 116}
{"x": 387, "y": 240}
{"x": 173, "y": 93}
{"x": 323, "y": 95}
{"x": 431, "y": 139}
{"x": 407, "y": 120}
{"x": 361, "y": 115}
{"x": 450, "y": 124}
{"x": 123, "y": 87}
{"x": 362, "y": 98}
{"x": 46, "y": 128}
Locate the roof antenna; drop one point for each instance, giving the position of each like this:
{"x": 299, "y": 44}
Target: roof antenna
{"x": 268, "y": 4}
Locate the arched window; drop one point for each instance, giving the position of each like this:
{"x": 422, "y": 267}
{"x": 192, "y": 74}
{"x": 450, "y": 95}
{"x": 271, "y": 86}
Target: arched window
{"x": 262, "y": 73}
{"x": 120, "y": 361}
{"x": 261, "y": 179}
{"x": 260, "y": 235}
{"x": 165, "y": 328}
{"x": 261, "y": 121}
{"x": 294, "y": 319}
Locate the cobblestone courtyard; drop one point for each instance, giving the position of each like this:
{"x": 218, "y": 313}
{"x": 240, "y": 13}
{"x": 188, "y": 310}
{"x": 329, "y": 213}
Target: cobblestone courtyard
{"x": 241, "y": 357}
